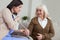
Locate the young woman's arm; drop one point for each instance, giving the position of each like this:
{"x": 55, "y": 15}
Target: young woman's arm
{"x": 7, "y": 15}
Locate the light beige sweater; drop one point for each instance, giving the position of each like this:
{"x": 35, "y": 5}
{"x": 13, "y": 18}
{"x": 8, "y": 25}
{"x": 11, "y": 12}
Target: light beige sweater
{"x": 6, "y": 17}
{"x": 3, "y": 28}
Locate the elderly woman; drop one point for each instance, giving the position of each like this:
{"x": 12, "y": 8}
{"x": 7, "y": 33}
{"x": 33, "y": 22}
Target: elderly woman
{"x": 9, "y": 21}
{"x": 41, "y": 27}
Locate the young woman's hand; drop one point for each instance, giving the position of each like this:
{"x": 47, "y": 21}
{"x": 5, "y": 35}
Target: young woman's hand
{"x": 25, "y": 32}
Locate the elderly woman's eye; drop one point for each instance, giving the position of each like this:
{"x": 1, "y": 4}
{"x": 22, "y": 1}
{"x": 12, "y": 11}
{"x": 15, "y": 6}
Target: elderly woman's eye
{"x": 40, "y": 10}
{"x": 36, "y": 10}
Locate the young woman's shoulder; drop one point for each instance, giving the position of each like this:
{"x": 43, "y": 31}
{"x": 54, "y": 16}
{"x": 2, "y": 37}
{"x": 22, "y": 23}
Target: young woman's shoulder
{"x": 5, "y": 9}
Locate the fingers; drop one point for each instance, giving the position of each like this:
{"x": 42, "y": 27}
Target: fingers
{"x": 21, "y": 30}
{"x": 39, "y": 37}
{"x": 39, "y": 34}
{"x": 25, "y": 31}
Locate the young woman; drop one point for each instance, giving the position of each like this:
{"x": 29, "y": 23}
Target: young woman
{"x": 41, "y": 27}
{"x": 9, "y": 21}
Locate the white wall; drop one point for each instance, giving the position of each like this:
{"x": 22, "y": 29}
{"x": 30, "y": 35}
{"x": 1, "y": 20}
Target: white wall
{"x": 54, "y": 13}
{"x": 34, "y": 4}
{"x": 4, "y": 3}
{"x": 24, "y": 11}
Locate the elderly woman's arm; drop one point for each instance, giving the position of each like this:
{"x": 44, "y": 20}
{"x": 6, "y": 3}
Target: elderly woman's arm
{"x": 30, "y": 27}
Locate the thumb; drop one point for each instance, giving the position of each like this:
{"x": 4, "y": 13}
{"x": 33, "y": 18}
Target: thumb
{"x": 39, "y": 34}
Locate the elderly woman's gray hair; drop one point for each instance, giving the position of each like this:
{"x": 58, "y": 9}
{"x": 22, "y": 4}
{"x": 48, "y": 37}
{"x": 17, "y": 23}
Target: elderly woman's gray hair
{"x": 44, "y": 8}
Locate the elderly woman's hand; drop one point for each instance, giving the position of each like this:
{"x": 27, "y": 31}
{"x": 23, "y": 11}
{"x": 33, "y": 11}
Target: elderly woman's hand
{"x": 39, "y": 36}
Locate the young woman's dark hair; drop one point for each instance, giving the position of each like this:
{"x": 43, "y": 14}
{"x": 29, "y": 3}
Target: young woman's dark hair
{"x": 14, "y": 3}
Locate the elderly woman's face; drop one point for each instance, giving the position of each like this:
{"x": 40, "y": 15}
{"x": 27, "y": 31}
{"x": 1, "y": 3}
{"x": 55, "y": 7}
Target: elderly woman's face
{"x": 17, "y": 9}
{"x": 40, "y": 12}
